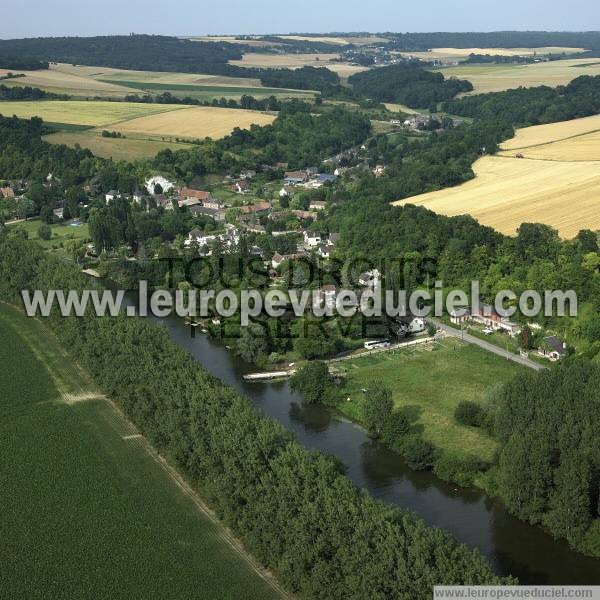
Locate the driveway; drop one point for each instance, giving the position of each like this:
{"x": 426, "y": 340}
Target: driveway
{"x": 471, "y": 339}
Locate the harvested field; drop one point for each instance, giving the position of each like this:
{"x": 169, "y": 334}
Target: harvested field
{"x": 496, "y": 78}
{"x": 509, "y": 191}
{"x": 552, "y": 132}
{"x": 195, "y": 122}
{"x": 283, "y": 61}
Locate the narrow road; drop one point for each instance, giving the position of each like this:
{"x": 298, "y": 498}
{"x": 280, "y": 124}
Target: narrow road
{"x": 471, "y": 339}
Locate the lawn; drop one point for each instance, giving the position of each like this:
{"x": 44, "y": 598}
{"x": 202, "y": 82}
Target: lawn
{"x": 87, "y": 511}
{"x": 428, "y": 382}
{"x": 60, "y": 233}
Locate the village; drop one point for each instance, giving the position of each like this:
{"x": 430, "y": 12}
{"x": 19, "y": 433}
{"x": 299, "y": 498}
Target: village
{"x": 281, "y": 220}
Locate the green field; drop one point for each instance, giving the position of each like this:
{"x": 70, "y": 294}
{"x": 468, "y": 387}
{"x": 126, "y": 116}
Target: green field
{"x": 129, "y": 148}
{"x": 81, "y": 112}
{"x": 428, "y": 382}
{"x": 60, "y": 233}
{"x": 87, "y": 510}
{"x": 208, "y": 92}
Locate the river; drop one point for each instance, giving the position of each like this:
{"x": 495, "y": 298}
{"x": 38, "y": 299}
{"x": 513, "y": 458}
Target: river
{"x": 513, "y": 547}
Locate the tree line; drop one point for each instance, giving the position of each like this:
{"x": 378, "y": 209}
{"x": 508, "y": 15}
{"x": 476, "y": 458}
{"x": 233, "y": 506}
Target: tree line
{"x": 295, "y": 509}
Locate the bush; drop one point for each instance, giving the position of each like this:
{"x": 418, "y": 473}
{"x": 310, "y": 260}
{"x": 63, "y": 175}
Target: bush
{"x": 418, "y": 453}
{"x": 44, "y": 232}
{"x": 469, "y": 413}
{"x": 458, "y": 470}
{"x": 395, "y": 428}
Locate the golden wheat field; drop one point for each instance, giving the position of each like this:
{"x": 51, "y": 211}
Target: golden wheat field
{"x": 195, "y": 122}
{"x": 557, "y": 181}
{"x": 552, "y": 132}
{"x": 509, "y": 191}
{"x": 496, "y": 78}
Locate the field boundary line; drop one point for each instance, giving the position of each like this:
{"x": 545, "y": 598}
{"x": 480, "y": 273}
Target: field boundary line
{"x": 223, "y": 532}
{"x": 570, "y": 137}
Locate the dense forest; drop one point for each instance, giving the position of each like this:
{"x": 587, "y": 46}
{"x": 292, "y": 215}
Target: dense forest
{"x": 305, "y": 78}
{"x": 295, "y": 510}
{"x": 21, "y": 64}
{"x": 494, "y": 39}
{"x": 141, "y": 52}
{"x": 407, "y": 84}
{"x": 549, "y": 467}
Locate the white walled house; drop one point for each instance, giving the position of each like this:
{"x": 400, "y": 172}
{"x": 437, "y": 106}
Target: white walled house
{"x": 164, "y": 183}
{"x": 312, "y": 239}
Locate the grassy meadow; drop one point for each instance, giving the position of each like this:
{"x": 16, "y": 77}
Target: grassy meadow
{"x": 87, "y": 510}
{"x": 428, "y": 382}
{"x": 557, "y": 182}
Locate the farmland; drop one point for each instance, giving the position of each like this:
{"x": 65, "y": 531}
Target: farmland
{"x": 80, "y": 112}
{"x": 146, "y": 132}
{"x": 428, "y": 383}
{"x": 553, "y": 132}
{"x": 92, "y": 82}
{"x": 557, "y": 182}
{"x": 458, "y": 54}
{"x": 88, "y": 510}
{"x": 195, "y": 122}
{"x": 496, "y": 78}
{"x": 130, "y": 148}
{"x": 295, "y": 61}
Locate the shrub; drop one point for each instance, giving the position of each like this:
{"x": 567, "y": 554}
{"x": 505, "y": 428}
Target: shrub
{"x": 395, "y": 428}
{"x": 469, "y": 413}
{"x": 458, "y": 470}
{"x": 44, "y": 232}
{"x": 418, "y": 453}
